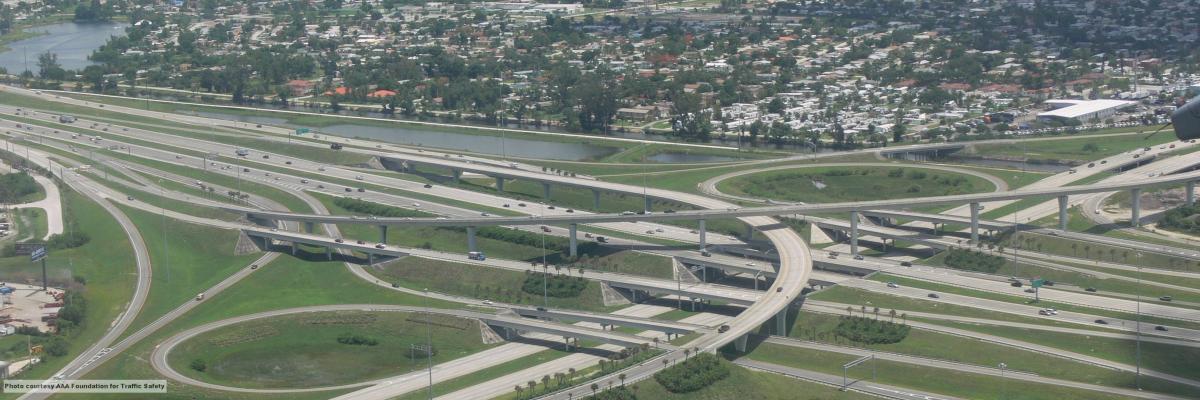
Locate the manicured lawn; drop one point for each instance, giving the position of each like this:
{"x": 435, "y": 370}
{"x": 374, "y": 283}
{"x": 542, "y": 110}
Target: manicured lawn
{"x": 487, "y": 374}
{"x": 631, "y": 262}
{"x": 838, "y": 184}
{"x": 479, "y": 282}
{"x": 937, "y": 380}
{"x": 820, "y": 327}
{"x": 310, "y": 350}
{"x": 1071, "y": 149}
{"x": 189, "y": 260}
{"x": 745, "y": 384}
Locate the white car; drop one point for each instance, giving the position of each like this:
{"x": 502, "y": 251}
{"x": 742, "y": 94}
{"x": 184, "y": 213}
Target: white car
{"x": 487, "y": 302}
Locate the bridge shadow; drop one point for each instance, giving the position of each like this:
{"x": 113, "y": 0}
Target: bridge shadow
{"x": 720, "y": 309}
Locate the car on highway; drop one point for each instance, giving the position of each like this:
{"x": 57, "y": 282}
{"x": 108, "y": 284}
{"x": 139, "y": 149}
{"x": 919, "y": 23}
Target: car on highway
{"x": 1165, "y": 298}
{"x": 253, "y": 266}
{"x": 359, "y": 242}
{"x": 361, "y": 190}
{"x": 569, "y": 210}
{"x": 627, "y": 212}
{"x": 1160, "y": 328}
{"x": 934, "y": 296}
{"x": 858, "y": 258}
{"x": 601, "y": 239}
{"x": 1030, "y": 290}
{"x": 200, "y": 296}
{"x": 659, "y": 230}
{"x": 304, "y": 181}
{"x": 905, "y": 264}
{"x": 1090, "y": 289}
{"x": 892, "y": 285}
{"x": 428, "y": 186}
{"x": 506, "y": 205}
{"x": 339, "y": 240}
{"x": 1015, "y": 283}
{"x": 520, "y": 204}
{"x": 1101, "y": 322}
{"x": 358, "y": 177}
{"x": 649, "y": 231}
{"x": 550, "y": 207}
{"x": 487, "y": 302}
{"x": 723, "y": 329}
{"x": 380, "y": 246}
{"x": 349, "y": 190}
{"x": 484, "y": 214}
{"x": 130, "y": 198}
{"x": 545, "y": 228}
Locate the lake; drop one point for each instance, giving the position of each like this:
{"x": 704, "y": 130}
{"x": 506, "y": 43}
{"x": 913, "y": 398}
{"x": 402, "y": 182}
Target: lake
{"x": 72, "y": 42}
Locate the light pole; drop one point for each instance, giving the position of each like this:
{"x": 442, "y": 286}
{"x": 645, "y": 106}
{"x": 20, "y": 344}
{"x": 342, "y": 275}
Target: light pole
{"x": 1138, "y": 353}
{"x": 545, "y": 268}
{"x": 1002, "y": 367}
{"x": 163, "y": 210}
{"x": 428, "y": 344}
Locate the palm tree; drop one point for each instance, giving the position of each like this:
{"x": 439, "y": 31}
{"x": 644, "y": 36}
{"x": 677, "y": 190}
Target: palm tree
{"x": 532, "y": 387}
{"x": 622, "y": 378}
{"x": 571, "y": 372}
{"x": 1087, "y": 250}
{"x": 602, "y": 363}
{"x": 864, "y": 310}
{"x": 665, "y": 362}
{"x": 596, "y": 387}
{"x": 518, "y": 389}
{"x": 546, "y": 382}
{"x": 904, "y": 318}
{"x": 686, "y": 353}
{"x": 876, "y": 313}
{"x": 1074, "y": 247}
{"x": 850, "y": 310}
{"x": 892, "y": 314}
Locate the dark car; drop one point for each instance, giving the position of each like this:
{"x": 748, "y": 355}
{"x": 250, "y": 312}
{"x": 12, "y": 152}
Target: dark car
{"x": 360, "y": 242}
{"x": 905, "y": 264}
{"x": 380, "y": 246}
{"x": 934, "y": 296}
{"x": 1160, "y": 328}
{"x": 669, "y": 212}
{"x": 1091, "y": 289}
{"x": 1101, "y": 322}
{"x": 349, "y": 190}
{"x": 427, "y": 186}
{"x": 339, "y": 240}
{"x": 723, "y": 329}
{"x": 1165, "y": 298}
{"x": 253, "y": 266}
{"x": 1015, "y": 284}
{"x": 360, "y": 190}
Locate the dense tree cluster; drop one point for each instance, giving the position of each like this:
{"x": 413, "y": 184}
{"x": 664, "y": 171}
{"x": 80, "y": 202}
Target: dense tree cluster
{"x": 17, "y": 185}
{"x": 560, "y": 286}
{"x": 1181, "y": 219}
{"x": 355, "y": 339}
{"x": 693, "y": 374}
{"x": 376, "y": 209}
{"x": 870, "y": 331}
{"x": 973, "y": 261}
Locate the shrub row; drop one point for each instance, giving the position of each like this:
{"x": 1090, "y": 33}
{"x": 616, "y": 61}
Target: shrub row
{"x": 557, "y": 286}
{"x": 693, "y": 374}
{"x": 870, "y": 331}
{"x": 973, "y": 261}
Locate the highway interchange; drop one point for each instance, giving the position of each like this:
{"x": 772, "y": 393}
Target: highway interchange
{"x": 791, "y": 274}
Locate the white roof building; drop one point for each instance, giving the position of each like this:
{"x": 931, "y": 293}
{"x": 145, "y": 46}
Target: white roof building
{"x": 1083, "y": 110}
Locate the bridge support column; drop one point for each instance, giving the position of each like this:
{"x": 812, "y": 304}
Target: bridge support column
{"x": 574, "y": 241}
{"x": 595, "y": 199}
{"x": 854, "y": 233}
{"x": 756, "y": 275}
{"x": 1062, "y": 213}
{"x": 1135, "y": 207}
{"x": 1191, "y": 193}
{"x": 500, "y": 183}
{"x": 308, "y": 227}
{"x": 546, "y": 190}
{"x": 370, "y": 259}
{"x": 457, "y": 173}
{"x": 329, "y": 253}
{"x": 293, "y": 248}
{"x": 781, "y": 322}
{"x": 567, "y": 343}
{"x": 383, "y": 234}
{"x": 703, "y": 232}
{"x": 749, "y": 232}
{"x": 974, "y": 222}
{"x": 648, "y": 204}
{"x": 739, "y": 344}
{"x": 471, "y": 239}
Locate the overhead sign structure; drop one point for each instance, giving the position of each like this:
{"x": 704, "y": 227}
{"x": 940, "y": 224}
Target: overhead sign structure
{"x": 1037, "y": 283}
{"x": 301, "y": 131}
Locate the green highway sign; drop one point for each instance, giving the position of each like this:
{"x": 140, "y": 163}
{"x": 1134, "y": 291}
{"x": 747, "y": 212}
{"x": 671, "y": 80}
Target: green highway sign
{"x": 1037, "y": 283}
{"x": 301, "y": 131}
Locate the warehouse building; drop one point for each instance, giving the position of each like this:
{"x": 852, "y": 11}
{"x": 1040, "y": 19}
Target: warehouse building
{"x": 1082, "y": 110}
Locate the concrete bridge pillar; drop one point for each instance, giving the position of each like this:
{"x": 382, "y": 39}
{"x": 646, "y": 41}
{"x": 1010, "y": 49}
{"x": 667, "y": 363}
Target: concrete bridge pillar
{"x": 974, "y": 222}
{"x": 1191, "y": 193}
{"x": 1062, "y": 213}
{"x": 329, "y": 253}
{"x": 567, "y": 343}
{"x": 370, "y": 259}
{"x": 749, "y": 232}
{"x": 383, "y": 234}
{"x": 854, "y": 233}
{"x": 574, "y": 241}
{"x": 1136, "y": 207}
{"x": 546, "y": 190}
{"x": 703, "y": 233}
{"x": 739, "y": 344}
{"x": 649, "y": 203}
{"x": 756, "y": 276}
{"x": 500, "y": 183}
{"x": 457, "y": 173}
{"x": 308, "y": 227}
{"x": 596, "y": 199}
{"x": 471, "y": 239}
{"x": 781, "y": 322}
{"x": 293, "y": 248}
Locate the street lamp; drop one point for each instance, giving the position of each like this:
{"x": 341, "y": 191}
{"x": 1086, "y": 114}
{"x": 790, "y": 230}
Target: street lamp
{"x": 1138, "y": 354}
{"x": 545, "y": 268}
{"x": 1002, "y": 367}
{"x": 428, "y": 344}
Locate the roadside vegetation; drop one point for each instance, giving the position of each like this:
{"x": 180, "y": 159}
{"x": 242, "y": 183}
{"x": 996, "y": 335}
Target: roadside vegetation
{"x": 838, "y": 184}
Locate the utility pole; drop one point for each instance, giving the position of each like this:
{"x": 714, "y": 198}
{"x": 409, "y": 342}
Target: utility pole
{"x": 429, "y": 346}
{"x": 1138, "y": 354}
